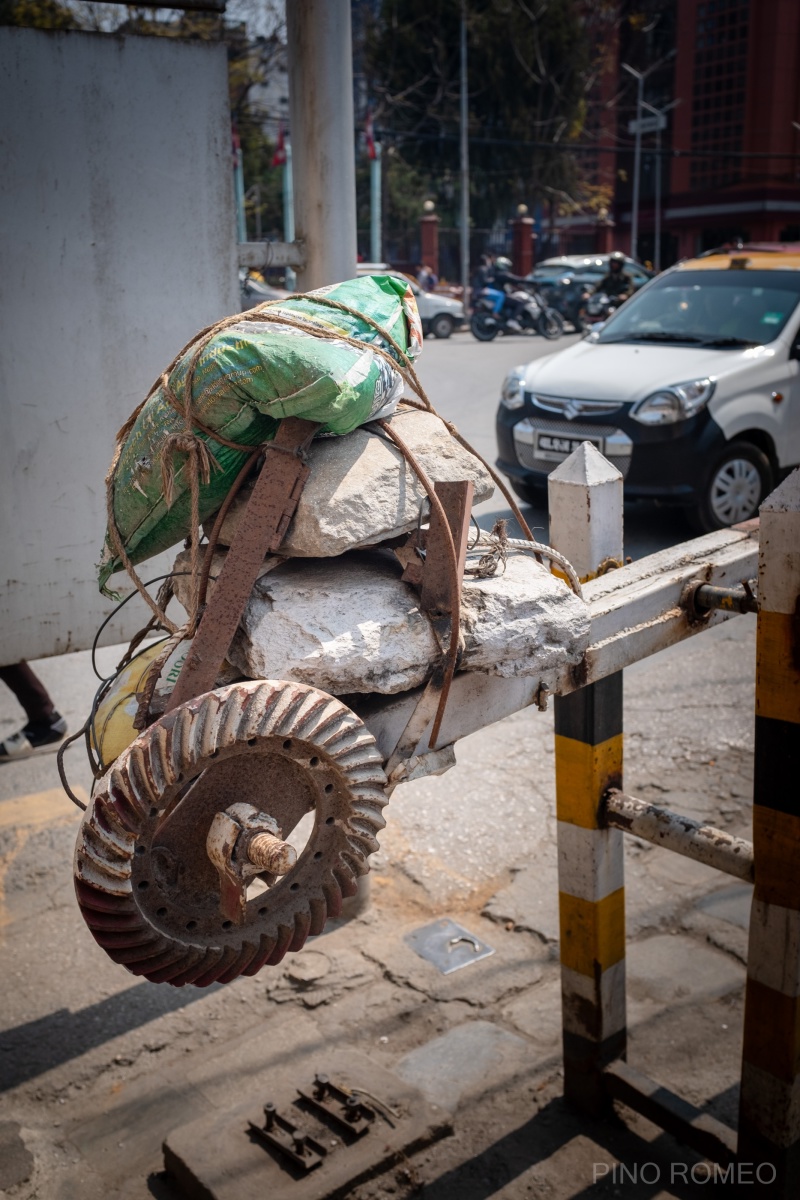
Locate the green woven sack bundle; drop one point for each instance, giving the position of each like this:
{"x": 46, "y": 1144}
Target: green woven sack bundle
{"x": 247, "y": 377}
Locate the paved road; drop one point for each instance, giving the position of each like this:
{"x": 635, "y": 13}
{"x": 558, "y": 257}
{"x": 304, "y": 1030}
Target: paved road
{"x": 463, "y": 378}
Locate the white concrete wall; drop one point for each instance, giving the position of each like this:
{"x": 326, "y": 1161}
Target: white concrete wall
{"x": 117, "y": 243}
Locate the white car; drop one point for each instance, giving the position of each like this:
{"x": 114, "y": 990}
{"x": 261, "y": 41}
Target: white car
{"x": 439, "y": 314}
{"x": 691, "y": 389}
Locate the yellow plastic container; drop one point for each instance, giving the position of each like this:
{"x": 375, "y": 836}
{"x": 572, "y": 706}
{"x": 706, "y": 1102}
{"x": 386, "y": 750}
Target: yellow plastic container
{"x": 113, "y": 729}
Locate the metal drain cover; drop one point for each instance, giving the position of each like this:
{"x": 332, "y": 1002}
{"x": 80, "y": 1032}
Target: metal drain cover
{"x": 447, "y": 945}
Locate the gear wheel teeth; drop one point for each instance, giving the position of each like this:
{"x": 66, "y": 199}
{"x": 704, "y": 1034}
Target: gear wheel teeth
{"x": 302, "y": 926}
{"x": 264, "y": 950}
{"x": 317, "y": 916}
{"x": 319, "y": 734}
{"x": 333, "y": 898}
{"x": 285, "y": 934}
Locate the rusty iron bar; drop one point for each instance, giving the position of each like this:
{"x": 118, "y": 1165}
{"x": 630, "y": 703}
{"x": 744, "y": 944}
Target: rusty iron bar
{"x": 266, "y": 518}
{"x": 661, "y": 827}
{"x": 671, "y": 1113}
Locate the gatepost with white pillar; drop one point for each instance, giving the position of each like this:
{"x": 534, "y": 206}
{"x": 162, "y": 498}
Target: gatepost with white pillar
{"x": 586, "y": 524}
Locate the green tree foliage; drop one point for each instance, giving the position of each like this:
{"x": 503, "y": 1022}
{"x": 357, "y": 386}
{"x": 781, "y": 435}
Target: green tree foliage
{"x": 38, "y": 14}
{"x": 531, "y": 68}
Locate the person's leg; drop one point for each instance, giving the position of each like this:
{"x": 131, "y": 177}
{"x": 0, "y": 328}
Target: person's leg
{"x": 45, "y": 726}
{"x": 30, "y": 691}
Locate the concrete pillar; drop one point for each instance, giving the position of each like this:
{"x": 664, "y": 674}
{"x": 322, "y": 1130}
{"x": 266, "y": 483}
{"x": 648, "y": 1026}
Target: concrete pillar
{"x": 585, "y": 500}
{"x": 429, "y": 237}
{"x": 522, "y": 244}
{"x": 319, "y": 42}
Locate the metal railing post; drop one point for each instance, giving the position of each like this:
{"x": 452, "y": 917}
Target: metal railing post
{"x": 585, "y": 500}
{"x": 769, "y": 1116}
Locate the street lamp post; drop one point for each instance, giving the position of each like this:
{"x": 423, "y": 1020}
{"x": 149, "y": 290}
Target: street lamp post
{"x": 640, "y": 77}
{"x": 637, "y": 156}
{"x": 661, "y": 113}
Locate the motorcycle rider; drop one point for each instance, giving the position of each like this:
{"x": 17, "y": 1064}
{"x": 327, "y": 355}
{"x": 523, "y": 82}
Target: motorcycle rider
{"x": 499, "y": 276}
{"x": 616, "y": 283}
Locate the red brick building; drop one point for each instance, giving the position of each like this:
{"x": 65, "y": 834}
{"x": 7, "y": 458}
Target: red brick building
{"x": 731, "y": 161}
{"x": 737, "y": 72}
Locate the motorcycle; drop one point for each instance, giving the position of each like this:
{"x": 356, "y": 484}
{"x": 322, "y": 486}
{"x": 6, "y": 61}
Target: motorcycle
{"x": 568, "y": 297}
{"x": 600, "y": 306}
{"x": 491, "y": 316}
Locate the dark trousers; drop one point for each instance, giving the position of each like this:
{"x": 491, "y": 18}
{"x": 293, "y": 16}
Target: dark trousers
{"x": 29, "y": 690}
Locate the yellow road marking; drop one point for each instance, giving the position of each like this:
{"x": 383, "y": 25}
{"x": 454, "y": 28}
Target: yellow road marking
{"x": 24, "y": 814}
{"x": 39, "y": 808}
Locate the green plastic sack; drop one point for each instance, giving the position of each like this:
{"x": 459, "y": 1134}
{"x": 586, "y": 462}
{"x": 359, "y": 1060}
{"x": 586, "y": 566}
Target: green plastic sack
{"x": 247, "y": 378}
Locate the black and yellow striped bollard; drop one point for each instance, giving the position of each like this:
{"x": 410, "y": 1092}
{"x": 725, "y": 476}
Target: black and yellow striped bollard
{"x": 769, "y": 1117}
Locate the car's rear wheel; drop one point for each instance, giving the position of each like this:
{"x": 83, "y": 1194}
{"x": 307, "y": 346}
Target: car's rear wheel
{"x": 733, "y": 490}
{"x": 442, "y": 325}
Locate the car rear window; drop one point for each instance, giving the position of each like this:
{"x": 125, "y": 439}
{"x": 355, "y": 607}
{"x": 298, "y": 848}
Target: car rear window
{"x": 726, "y": 308}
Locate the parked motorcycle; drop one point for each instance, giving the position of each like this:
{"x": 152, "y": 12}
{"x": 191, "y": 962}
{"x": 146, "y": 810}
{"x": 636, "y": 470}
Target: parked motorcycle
{"x": 492, "y": 315}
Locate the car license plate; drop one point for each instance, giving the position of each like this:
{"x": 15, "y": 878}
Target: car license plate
{"x": 553, "y": 447}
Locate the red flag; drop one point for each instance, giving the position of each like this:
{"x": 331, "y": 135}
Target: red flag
{"x": 369, "y": 134}
{"x": 279, "y": 157}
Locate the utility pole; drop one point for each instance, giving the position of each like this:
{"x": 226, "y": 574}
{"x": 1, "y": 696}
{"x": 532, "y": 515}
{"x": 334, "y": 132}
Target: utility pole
{"x": 464, "y": 163}
{"x": 320, "y": 51}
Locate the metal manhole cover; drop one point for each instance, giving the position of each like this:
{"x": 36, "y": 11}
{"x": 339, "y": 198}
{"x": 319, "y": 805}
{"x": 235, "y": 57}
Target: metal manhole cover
{"x": 447, "y": 945}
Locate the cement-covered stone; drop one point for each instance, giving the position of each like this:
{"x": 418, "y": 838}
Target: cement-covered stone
{"x": 361, "y": 491}
{"x": 351, "y": 625}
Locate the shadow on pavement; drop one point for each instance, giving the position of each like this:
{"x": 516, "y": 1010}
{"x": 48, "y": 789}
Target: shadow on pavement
{"x": 31, "y": 1049}
{"x": 664, "y": 1160}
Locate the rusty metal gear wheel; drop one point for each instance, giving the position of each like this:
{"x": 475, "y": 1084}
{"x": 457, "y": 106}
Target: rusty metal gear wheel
{"x": 199, "y": 803}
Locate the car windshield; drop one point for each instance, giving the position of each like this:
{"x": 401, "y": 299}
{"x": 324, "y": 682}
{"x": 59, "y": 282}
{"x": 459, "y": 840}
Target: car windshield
{"x": 728, "y": 308}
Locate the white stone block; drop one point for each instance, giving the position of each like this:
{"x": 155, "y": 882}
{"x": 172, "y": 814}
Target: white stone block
{"x": 351, "y": 625}
{"x": 361, "y": 491}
